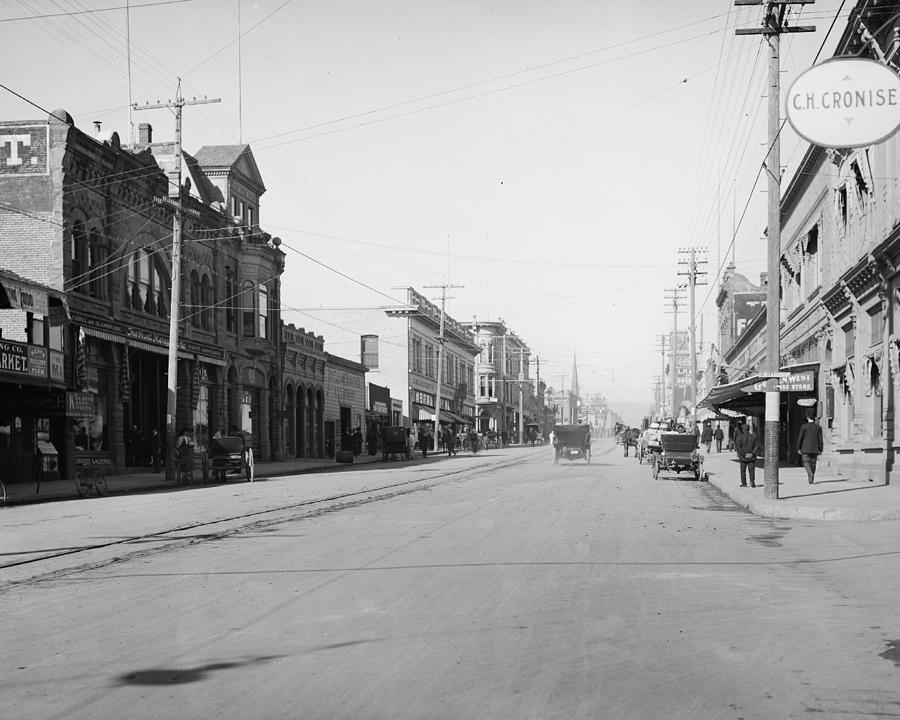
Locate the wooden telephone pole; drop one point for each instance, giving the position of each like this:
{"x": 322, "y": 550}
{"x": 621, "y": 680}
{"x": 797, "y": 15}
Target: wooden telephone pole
{"x": 440, "y": 359}
{"x": 174, "y": 199}
{"x": 772, "y": 28}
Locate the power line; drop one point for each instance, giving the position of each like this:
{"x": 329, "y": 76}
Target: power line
{"x": 92, "y": 11}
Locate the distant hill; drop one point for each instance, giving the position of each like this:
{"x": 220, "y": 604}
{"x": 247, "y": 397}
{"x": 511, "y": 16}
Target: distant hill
{"x": 631, "y": 412}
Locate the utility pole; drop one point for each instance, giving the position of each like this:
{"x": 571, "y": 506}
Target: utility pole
{"x": 520, "y": 353}
{"x": 675, "y": 296}
{"x": 662, "y": 341}
{"x": 773, "y": 26}
{"x": 174, "y": 199}
{"x": 440, "y": 359}
{"x": 539, "y": 396}
{"x": 689, "y": 257}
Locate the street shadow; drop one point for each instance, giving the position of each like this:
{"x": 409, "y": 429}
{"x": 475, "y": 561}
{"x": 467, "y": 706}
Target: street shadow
{"x": 181, "y": 676}
{"x": 829, "y": 492}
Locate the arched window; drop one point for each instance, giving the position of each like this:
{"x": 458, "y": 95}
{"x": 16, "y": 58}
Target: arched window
{"x": 248, "y": 309}
{"x": 78, "y": 255}
{"x": 144, "y": 288}
{"x": 207, "y": 301}
{"x": 231, "y": 300}
{"x": 144, "y": 281}
{"x": 194, "y": 310}
{"x": 161, "y": 306}
{"x": 263, "y": 311}
{"x": 97, "y": 264}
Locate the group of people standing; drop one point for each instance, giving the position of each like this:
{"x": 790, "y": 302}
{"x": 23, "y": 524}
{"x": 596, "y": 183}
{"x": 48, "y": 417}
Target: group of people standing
{"x": 747, "y": 446}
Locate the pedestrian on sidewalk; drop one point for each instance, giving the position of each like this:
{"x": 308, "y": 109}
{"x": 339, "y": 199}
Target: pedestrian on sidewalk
{"x": 424, "y": 441}
{"x": 810, "y": 446}
{"x": 747, "y": 446}
{"x": 719, "y": 435}
{"x": 706, "y": 436}
{"x": 155, "y": 448}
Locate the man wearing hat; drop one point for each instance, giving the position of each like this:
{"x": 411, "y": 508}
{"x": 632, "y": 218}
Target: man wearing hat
{"x": 809, "y": 445}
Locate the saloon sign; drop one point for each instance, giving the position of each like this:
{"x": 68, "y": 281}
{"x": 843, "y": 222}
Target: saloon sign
{"x": 845, "y": 102}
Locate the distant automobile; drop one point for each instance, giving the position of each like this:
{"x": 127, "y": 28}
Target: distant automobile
{"x": 649, "y": 442}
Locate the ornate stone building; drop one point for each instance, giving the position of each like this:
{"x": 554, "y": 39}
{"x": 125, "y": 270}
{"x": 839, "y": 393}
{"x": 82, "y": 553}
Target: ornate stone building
{"x": 97, "y": 219}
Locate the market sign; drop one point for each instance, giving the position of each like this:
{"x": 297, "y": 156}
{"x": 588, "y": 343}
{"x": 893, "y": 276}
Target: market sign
{"x": 845, "y": 103}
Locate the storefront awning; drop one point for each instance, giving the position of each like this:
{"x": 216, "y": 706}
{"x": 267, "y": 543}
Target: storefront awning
{"x": 20, "y": 293}
{"x": 426, "y": 413}
{"x": 749, "y": 393}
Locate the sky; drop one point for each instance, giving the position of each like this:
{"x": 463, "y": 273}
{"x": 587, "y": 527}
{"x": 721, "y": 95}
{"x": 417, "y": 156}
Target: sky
{"x": 548, "y": 160}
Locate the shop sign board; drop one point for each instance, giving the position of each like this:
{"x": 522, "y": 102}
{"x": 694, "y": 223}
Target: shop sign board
{"x": 13, "y": 357}
{"x": 57, "y": 366}
{"x": 37, "y": 361}
{"x": 80, "y": 404}
{"x": 26, "y": 297}
{"x": 845, "y": 103}
{"x": 794, "y": 382}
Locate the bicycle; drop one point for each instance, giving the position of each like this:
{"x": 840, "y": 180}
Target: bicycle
{"x": 88, "y": 480}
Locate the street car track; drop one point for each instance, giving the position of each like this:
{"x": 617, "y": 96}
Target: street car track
{"x": 172, "y": 536}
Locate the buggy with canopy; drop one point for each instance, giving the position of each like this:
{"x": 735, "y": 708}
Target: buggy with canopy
{"x": 571, "y": 442}
{"x": 679, "y": 454}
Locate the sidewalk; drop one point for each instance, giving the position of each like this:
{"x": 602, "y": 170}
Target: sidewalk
{"x": 831, "y": 497}
{"x": 19, "y": 493}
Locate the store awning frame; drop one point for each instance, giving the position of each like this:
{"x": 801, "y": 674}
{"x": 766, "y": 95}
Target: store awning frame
{"x": 735, "y": 395}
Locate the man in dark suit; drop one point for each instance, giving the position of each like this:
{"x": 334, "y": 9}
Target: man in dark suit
{"x": 810, "y": 445}
{"x": 747, "y": 446}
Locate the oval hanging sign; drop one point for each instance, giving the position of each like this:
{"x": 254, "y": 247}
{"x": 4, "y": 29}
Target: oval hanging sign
{"x": 844, "y": 103}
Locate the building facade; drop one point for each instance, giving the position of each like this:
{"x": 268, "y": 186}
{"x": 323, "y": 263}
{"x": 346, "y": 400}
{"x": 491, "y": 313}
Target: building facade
{"x": 505, "y": 393}
{"x": 345, "y": 402}
{"x": 303, "y": 392}
{"x": 98, "y": 217}
{"x": 839, "y": 287}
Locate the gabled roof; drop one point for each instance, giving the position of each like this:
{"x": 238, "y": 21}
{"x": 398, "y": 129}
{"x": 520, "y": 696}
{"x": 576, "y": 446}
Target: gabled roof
{"x": 237, "y": 159}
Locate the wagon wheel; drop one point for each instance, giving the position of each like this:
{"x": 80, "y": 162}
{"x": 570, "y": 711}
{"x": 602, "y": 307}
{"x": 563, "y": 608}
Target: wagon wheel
{"x": 248, "y": 464}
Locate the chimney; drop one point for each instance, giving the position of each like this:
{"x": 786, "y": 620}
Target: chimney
{"x": 764, "y": 279}
{"x": 97, "y": 127}
{"x": 145, "y": 134}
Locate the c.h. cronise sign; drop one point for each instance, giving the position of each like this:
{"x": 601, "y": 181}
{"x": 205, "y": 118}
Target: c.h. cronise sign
{"x": 844, "y": 103}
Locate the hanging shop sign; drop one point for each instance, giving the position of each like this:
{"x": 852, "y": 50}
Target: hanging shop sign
{"x": 845, "y": 103}
{"x": 80, "y": 404}
{"x": 789, "y": 382}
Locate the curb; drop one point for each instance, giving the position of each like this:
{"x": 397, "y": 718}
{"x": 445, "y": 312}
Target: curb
{"x": 781, "y": 511}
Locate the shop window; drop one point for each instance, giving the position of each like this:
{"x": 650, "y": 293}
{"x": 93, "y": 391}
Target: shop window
{"x": 876, "y": 324}
{"x": 429, "y": 360}
{"x": 842, "y": 208}
{"x": 78, "y": 255}
{"x": 263, "y": 311}
{"x": 194, "y": 313}
{"x": 206, "y": 300}
{"x": 248, "y": 310}
{"x": 231, "y": 302}
{"x": 811, "y": 261}
{"x": 417, "y": 355}
{"x": 369, "y": 351}
{"x": 849, "y": 341}
{"x": 97, "y": 265}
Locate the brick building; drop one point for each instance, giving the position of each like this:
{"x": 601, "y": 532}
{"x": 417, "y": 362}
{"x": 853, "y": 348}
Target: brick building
{"x": 91, "y": 219}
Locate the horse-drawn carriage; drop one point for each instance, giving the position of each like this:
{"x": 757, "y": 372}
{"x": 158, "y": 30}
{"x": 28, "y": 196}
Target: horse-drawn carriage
{"x": 630, "y": 439}
{"x": 228, "y": 454}
{"x": 572, "y": 442}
